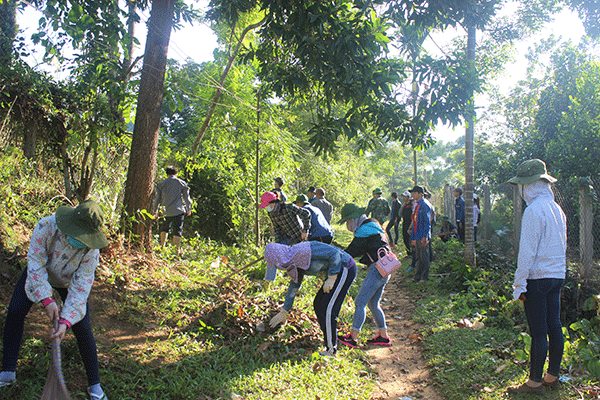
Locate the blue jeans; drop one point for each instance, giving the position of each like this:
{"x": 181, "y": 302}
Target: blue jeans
{"x": 370, "y": 294}
{"x": 542, "y": 308}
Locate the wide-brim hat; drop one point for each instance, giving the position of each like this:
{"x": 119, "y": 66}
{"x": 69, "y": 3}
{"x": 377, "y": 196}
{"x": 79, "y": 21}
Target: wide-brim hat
{"x": 266, "y": 198}
{"x": 377, "y": 191}
{"x": 406, "y": 193}
{"x": 83, "y": 223}
{"x": 302, "y": 198}
{"x": 350, "y": 211}
{"x": 530, "y": 171}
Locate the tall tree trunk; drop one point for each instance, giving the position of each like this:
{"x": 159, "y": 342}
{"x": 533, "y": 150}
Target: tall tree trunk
{"x": 8, "y": 30}
{"x": 128, "y": 58}
{"x": 142, "y": 161}
{"x": 470, "y": 256}
{"x": 29, "y": 139}
{"x": 414, "y": 94}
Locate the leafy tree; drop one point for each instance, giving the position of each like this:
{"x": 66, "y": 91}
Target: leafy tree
{"x": 333, "y": 52}
{"x": 589, "y": 12}
{"x": 8, "y": 30}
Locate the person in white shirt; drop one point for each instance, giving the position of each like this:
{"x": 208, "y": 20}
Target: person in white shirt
{"x": 540, "y": 274}
{"x": 63, "y": 256}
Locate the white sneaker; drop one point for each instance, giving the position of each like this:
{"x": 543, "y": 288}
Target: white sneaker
{"x": 97, "y": 396}
{"x": 7, "y": 378}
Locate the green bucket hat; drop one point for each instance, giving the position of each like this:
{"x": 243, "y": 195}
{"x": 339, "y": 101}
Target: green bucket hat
{"x": 530, "y": 171}
{"x": 302, "y": 198}
{"x": 350, "y": 211}
{"x": 83, "y": 223}
{"x": 377, "y": 191}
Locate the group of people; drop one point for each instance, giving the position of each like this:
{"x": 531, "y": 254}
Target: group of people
{"x": 538, "y": 280}
{"x": 64, "y": 253}
{"x": 459, "y": 212}
{"x": 302, "y": 247}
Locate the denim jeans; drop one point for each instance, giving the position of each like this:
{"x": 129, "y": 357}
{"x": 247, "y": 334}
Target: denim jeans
{"x": 370, "y": 294}
{"x": 542, "y": 308}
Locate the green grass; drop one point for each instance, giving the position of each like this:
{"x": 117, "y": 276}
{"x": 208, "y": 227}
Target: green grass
{"x": 197, "y": 338}
{"x": 481, "y": 364}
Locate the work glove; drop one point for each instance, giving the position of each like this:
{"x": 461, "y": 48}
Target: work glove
{"x": 328, "y": 285}
{"x": 278, "y": 319}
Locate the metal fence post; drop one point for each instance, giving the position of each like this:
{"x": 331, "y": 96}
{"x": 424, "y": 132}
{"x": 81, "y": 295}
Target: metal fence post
{"x": 586, "y": 238}
{"x": 518, "y": 214}
{"x": 487, "y": 214}
{"x": 449, "y": 203}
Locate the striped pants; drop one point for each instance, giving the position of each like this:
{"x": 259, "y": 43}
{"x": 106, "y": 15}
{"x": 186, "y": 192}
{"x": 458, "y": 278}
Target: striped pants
{"x": 327, "y": 305}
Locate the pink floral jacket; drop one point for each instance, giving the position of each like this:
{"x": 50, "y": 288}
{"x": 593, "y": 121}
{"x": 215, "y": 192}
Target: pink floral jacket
{"x": 53, "y": 262}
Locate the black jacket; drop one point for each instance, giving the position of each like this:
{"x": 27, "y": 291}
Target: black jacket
{"x": 361, "y": 246}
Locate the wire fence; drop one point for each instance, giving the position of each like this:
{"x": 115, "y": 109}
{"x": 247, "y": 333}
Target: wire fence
{"x": 500, "y": 216}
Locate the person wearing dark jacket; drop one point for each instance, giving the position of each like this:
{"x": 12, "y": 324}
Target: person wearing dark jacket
{"x": 369, "y": 237}
{"x": 420, "y": 234}
{"x": 320, "y": 230}
{"x": 394, "y": 219}
{"x": 459, "y": 212}
{"x": 407, "y": 209}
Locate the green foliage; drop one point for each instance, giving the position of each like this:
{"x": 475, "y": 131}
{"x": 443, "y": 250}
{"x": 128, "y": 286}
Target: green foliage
{"x": 451, "y": 260}
{"x": 28, "y": 193}
{"x": 555, "y": 117}
{"x": 473, "y": 363}
{"x": 335, "y": 54}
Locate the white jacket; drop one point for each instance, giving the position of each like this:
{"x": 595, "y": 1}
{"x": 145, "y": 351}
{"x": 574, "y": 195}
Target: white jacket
{"x": 543, "y": 241}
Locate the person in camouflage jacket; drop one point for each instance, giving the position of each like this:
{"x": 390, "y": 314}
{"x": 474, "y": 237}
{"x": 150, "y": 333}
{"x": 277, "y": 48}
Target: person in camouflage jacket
{"x": 378, "y": 207}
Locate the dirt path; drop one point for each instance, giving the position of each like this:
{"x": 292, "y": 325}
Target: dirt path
{"x": 402, "y": 369}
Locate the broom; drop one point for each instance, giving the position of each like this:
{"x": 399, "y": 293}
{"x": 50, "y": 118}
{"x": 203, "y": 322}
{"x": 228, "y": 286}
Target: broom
{"x": 55, "y": 387}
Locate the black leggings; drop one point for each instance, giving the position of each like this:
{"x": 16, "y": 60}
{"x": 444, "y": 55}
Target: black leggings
{"x": 13, "y": 332}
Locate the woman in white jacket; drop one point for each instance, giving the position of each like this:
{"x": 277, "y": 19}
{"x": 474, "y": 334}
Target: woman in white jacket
{"x": 540, "y": 274}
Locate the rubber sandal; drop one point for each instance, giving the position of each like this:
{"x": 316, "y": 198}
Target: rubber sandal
{"x": 554, "y": 385}
{"x": 525, "y": 388}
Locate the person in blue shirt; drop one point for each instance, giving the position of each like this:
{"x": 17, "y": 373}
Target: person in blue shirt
{"x": 420, "y": 234}
{"x": 459, "y": 212}
{"x": 320, "y": 229}
{"x": 313, "y": 258}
